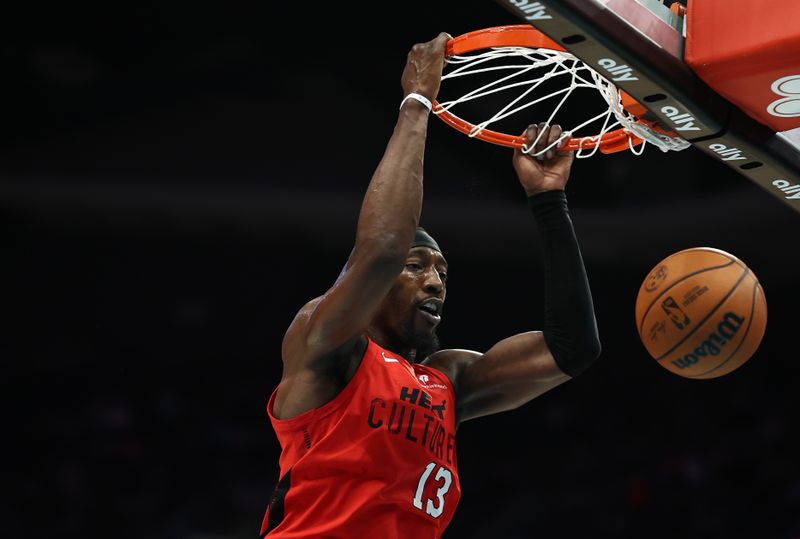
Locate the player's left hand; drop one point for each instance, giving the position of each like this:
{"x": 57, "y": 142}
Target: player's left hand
{"x": 548, "y": 171}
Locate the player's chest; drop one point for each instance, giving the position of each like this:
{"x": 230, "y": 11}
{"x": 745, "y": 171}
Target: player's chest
{"x": 413, "y": 408}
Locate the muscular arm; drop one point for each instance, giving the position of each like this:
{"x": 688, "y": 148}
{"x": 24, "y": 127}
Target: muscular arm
{"x": 387, "y": 221}
{"x": 389, "y": 215}
{"x": 522, "y": 367}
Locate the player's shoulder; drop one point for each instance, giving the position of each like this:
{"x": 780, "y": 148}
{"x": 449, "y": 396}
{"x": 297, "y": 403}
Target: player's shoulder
{"x": 301, "y": 348}
{"x": 299, "y": 324}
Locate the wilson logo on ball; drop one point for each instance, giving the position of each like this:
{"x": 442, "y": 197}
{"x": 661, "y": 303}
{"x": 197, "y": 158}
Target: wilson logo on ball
{"x": 714, "y": 342}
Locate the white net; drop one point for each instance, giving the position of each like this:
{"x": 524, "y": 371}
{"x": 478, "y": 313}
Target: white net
{"x": 529, "y": 77}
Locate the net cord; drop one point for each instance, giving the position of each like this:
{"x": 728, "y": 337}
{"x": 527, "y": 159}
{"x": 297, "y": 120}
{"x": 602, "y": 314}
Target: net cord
{"x": 561, "y": 64}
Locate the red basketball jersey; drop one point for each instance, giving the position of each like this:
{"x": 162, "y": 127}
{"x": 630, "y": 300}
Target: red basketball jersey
{"x": 378, "y": 461}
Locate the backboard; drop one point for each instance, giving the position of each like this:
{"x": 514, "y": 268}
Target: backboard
{"x": 641, "y": 45}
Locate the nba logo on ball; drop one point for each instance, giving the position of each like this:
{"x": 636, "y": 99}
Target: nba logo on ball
{"x": 701, "y": 313}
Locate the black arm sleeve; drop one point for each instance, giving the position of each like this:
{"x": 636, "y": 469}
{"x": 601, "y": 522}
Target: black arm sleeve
{"x": 570, "y": 328}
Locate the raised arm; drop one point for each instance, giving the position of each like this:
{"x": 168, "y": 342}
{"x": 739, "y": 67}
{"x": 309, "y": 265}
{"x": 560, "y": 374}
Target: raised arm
{"x": 387, "y": 222}
{"x": 524, "y": 366}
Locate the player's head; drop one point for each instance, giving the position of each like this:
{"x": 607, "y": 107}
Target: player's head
{"x": 412, "y": 309}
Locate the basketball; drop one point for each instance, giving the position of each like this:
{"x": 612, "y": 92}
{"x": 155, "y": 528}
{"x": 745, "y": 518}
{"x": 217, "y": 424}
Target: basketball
{"x": 701, "y": 313}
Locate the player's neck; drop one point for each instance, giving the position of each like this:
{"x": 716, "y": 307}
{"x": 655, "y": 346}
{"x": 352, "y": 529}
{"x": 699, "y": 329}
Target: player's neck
{"x": 392, "y": 343}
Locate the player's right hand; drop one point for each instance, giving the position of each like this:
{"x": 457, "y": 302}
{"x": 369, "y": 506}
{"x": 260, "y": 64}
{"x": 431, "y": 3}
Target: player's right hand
{"x": 424, "y": 65}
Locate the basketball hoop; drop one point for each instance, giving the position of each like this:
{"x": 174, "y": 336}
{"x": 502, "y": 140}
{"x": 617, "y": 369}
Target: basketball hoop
{"x": 520, "y": 53}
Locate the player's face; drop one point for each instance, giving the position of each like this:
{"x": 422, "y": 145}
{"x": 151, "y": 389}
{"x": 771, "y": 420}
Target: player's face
{"x": 413, "y": 306}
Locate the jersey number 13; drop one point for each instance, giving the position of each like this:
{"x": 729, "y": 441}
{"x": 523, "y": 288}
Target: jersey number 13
{"x": 444, "y": 479}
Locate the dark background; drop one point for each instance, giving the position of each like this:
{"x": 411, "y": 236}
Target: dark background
{"x": 176, "y": 180}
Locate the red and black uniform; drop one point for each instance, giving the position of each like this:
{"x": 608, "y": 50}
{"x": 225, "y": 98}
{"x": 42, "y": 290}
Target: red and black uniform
{"x": 379, "y": 460}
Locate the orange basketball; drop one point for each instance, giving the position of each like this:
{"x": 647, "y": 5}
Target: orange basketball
{"x": 701, "y": 313}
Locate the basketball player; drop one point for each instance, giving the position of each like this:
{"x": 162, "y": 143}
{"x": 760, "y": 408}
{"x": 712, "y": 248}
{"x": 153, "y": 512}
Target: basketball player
{"x": 367, "y": 408}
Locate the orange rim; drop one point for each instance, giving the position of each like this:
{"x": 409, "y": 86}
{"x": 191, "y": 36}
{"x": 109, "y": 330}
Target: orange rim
{"x": 525, "y": 35}
{"x": 515, "y": 35}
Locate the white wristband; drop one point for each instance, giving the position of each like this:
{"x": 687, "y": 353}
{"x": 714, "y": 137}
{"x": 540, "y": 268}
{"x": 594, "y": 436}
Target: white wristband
{"x": 421, "y": 98}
